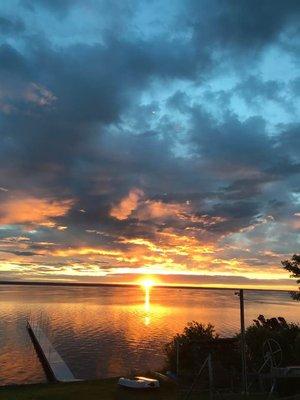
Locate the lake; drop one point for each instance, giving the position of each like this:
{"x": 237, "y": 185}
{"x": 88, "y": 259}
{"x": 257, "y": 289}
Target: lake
{"x": 110, "y": 331}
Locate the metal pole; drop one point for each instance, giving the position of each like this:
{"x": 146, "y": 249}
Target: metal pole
{"x": 243, "y": 341}
{"x": 195, "y": 380}
{"x": 177, "y": 358}
{"x": 210, "y": 377}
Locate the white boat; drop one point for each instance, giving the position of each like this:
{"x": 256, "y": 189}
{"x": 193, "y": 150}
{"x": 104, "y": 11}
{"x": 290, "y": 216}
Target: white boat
{"x": 139, "y": 382}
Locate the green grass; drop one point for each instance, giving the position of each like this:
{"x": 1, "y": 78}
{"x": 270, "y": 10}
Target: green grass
{"x": 104, "y": 389}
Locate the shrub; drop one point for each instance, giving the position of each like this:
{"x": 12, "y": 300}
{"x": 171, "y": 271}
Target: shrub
{"x": 195, "y": 343}
{"x": 286, "y": 334}
{"x": 198, "y": 340}
{"x": 192, "y": 344}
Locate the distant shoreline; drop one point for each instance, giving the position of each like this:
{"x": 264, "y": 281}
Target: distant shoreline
{"x": 99, "y": 284}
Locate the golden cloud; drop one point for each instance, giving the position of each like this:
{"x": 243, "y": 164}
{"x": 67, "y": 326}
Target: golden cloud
{"x": 128, "y": 204}
{"x": 153, "y": 210}
{"x": 32, "y": 210}
{"x": 134, "y": 205}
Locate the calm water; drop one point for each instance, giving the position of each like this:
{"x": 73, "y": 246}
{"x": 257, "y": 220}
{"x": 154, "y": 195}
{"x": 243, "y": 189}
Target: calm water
{"x": 108, "y": 331}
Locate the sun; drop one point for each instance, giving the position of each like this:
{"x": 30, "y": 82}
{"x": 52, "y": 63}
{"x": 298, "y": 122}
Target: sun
{"x": 147, "y": 282}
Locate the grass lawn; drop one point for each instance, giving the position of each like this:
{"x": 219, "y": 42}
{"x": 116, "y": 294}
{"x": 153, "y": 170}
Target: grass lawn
{"x": 104, "y": 389}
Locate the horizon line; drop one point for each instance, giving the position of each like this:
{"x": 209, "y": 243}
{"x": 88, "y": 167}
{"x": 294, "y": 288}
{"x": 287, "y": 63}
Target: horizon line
{"x": 110, "y": 284}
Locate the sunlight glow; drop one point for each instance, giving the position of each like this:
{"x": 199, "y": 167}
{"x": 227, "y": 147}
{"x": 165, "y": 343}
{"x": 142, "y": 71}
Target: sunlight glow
{"x": 147, "y": 283}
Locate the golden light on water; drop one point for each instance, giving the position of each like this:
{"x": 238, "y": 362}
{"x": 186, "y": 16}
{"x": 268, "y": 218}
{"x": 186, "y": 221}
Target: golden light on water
{"x": 147, "y": 298}
{"x": 147, "y": 284}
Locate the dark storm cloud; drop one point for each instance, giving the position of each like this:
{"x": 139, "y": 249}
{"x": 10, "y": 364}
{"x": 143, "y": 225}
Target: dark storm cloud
{"x": 12, "y": 62}
{"x": 253, "y": 89}
{"x": 179, "y": 101}
{"x": 11, "y": 26}
{"x": 60, "y": 7}
{"x": 289, "y": 140}
{"x": 244, "y": 188}
{"x": 235, "y": 23}
{"x": 241, "y": 25}
{"x": 85, "y": 91}
{"x": 245, "y": 148}
{"x": 232, "y": 142}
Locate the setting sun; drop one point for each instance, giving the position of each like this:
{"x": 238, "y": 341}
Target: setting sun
{"x": 147, "y": 282}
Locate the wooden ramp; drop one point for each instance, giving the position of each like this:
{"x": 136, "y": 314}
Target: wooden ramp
{"x": 55, "y": 367}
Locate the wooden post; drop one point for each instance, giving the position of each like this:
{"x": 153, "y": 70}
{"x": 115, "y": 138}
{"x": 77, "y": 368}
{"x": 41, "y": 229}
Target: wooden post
{"x": 243, "y": 341}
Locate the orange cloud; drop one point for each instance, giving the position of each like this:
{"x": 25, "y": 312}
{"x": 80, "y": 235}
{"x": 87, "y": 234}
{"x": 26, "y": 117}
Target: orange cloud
{"x": 132, "y": 205}
{"x": 123, "y": 210}
{"x": 85, "y": 251}
{"x": 135, "y": 205}
{"x": 32, "y": 210}
{"x": 167, "y": 251}
{"x": 159, "y": 210}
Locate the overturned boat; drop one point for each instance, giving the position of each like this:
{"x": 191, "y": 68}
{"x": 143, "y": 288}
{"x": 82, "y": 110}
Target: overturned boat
{"x": 139, "y": 382}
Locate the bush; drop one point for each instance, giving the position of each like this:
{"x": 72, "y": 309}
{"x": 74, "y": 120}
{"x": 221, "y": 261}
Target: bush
{"x": 286, "y": 334}
{"x": 198, "y": 340}
{"x": 195, "y": 343}
{"x": 192, "y": 344}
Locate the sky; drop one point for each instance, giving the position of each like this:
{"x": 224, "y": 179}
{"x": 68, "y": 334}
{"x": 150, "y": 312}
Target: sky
{"x": 154, "y": 137}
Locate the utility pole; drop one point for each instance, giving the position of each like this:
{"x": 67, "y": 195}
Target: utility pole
{"x": 243, "y": 341}
{"x": 177, "y": 358}
{"x": 210, "y": 377}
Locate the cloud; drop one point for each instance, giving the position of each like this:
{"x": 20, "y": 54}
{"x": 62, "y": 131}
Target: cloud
{"x": 60, "y": 7}
{"x": 241, "y": 26}
{"x": 128, "y": 204}
{"x": 39, "y": 95}
{"x": 32, "y": 210}
{"x": 174, "y": 134}
{"x": 25, "y": 98}
{"x": 11, "y": 26}
{"x": 157, "y": 210}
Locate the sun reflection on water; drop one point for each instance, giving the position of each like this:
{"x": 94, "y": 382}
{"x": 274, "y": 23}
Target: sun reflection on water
{"x": 147, "y": 284}
{"x": 147, "y": 304}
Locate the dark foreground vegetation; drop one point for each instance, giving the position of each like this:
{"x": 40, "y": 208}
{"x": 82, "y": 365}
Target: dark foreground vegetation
{"x": 270, "y": 343}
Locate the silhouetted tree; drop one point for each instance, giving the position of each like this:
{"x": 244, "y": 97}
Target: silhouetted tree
{"x": 293, "y": 266}
{"x": 195, "y": 343}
